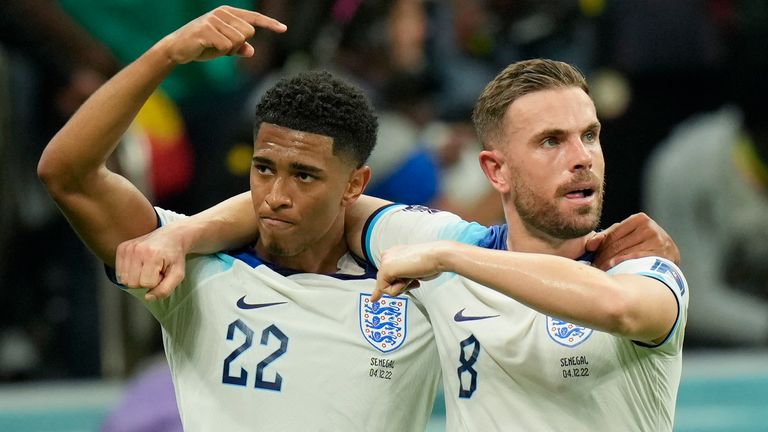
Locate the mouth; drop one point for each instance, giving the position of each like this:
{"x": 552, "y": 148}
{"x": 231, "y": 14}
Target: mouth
{"x": 580, "y": 193}
{"x": 274, "y": 222}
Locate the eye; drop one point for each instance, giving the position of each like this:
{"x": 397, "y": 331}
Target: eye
{"x": 305, "y": 177}
{"x": 262, "y": 169}
{"x": 590, "y": 137}
{"x": 550, "y": 142}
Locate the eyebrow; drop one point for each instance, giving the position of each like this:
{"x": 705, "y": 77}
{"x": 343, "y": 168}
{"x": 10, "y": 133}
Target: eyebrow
{"x": 262, "y": 160}
{"x": 296, "y": 166}
{"x": 561, "y": 132}
{"x": 594, "y": 126}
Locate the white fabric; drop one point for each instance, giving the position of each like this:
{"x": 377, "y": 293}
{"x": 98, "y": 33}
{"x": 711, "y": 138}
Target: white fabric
{"x": 331, "y": 377}
{"x": 526, "y": 377}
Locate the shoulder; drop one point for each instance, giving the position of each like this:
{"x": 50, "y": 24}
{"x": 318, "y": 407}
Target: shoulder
{"x": 407, "y": 220}
{"x": 657, "y": 268}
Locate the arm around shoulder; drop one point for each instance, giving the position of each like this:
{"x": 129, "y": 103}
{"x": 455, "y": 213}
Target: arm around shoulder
{"x": 629, "y": 305}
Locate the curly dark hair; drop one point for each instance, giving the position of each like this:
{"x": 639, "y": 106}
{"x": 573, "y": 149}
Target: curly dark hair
{"x": 319, "y": 103}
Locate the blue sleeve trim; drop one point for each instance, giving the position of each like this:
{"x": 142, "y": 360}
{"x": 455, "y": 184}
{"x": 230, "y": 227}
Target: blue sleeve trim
{"x": 112, "y": 276}
{"x": 494, "y": 237}
{"x": 159, "y": 221}
{"x": 365, "y": 240}
{"x": 677, "y": 319}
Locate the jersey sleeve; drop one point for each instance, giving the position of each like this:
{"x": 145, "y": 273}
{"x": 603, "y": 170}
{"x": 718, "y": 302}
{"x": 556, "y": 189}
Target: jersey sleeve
{"x": 669, "y": 274}
{"x": 164, "y": 217}
{"x": 398, "y": 224}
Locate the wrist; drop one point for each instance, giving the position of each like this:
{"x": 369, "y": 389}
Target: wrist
{"x": 161, "y": 57}
{"x": 186, "y": 235}
{"x": 446, "y": 254}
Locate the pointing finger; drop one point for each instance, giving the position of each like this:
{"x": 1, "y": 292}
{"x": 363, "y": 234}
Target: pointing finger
{"x": 256, "y": 19}
{"x": 376, "y": 295}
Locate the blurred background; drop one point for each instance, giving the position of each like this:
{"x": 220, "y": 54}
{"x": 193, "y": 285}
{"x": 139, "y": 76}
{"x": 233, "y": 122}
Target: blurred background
{"x": 680, "y": 88}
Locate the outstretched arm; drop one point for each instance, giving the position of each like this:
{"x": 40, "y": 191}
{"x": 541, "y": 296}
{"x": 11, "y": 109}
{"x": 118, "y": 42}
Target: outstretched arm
{"x": 628, "y": 305}
{"x": 103, "y": 207}
{"x": 156, "y": 260}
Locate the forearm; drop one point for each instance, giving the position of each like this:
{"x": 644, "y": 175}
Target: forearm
{"x": 550, "y": 284}
{"x": 568, "y": 289}
{"x": 232, "y": 223}
{"x": 227, "y": 225}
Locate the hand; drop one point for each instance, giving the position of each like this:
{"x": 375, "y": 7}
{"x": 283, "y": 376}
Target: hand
{"x": 155, "y": 261}
{"x": 223, "y": 31}
{"x": 401, "y": 266}
{"x": 634, "y": 237}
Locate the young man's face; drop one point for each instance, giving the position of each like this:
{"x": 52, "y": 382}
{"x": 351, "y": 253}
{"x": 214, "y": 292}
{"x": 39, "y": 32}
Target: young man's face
{"x": 299, "y": 189}
{"x": 551, "y": 143}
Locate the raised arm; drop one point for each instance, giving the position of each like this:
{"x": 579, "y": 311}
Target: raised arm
{"x": 629, "y": 305}
{"x": 103, "y": 207}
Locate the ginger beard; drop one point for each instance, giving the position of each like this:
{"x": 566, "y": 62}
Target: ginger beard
{"x": 545, "y": 215}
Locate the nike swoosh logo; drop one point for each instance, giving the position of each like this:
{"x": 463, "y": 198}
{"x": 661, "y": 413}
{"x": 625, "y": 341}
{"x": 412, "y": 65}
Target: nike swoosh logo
{"x": 459, "y": 317}
{"x": 243, "y": 305}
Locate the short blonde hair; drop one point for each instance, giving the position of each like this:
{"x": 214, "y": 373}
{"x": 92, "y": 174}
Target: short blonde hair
{"x": 515, "y": 81}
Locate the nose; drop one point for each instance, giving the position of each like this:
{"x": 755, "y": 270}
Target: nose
{"x": 278, "y": 196}
{"x": 580, "y": 155}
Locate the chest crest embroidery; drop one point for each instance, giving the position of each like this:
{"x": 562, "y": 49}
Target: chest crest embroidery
{"x": 383, "y": 324}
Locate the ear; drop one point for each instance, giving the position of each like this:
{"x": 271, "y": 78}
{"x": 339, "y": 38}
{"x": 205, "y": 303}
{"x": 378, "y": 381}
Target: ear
{"x": 357, "y": 183}
{"x": 494, "y": 166}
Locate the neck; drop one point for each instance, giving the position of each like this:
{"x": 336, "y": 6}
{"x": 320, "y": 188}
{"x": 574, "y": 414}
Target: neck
{"x": 524, "y": 238}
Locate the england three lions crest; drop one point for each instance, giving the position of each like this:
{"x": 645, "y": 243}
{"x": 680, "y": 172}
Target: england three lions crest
{"x": 566, "y": 333}
{"x": 383, "y": 323}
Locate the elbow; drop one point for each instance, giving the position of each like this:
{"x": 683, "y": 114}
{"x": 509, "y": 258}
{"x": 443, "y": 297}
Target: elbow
{"x": 56, "y": 176}
{"x": 50, "y": 174}
{"x": 617, "y": 316}
{"x": 47, "y": 171}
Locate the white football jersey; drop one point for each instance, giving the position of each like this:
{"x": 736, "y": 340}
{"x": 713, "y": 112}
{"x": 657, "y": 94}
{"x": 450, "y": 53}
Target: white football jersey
{"x": 507, "y": 367}
{"x": 253, "y": 347}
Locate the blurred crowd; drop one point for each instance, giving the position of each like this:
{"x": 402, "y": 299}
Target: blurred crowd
{"x": 678, "y": 85}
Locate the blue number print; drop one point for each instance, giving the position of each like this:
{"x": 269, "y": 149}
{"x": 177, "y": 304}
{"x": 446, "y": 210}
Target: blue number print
{"x": 226, "y": 376}
{"x": 466, "y": 366}
{"x": 242, "y": 379}
{"x": 277, "y": 383}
